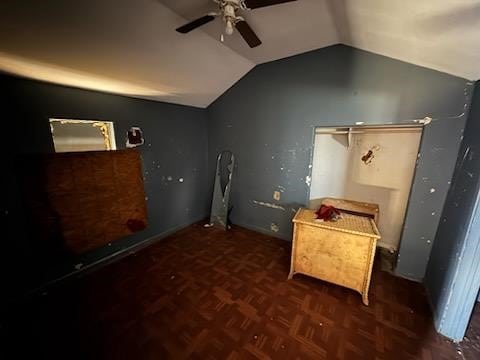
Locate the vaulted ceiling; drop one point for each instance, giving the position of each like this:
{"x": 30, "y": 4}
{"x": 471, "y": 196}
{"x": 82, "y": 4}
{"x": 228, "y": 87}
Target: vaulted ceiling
{"x": 132, "y": 48}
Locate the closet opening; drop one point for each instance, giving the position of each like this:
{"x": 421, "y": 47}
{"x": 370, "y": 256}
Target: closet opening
{"x": 371, "y": 164}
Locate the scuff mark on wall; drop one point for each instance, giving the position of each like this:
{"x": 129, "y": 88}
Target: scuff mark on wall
{"x": 269, "y": 205}
{"x": 274, "y": 227}
{"x": 467, "y": 151}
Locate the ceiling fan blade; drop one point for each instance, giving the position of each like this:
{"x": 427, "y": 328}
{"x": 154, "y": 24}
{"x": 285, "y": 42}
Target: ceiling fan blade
{"x": 254, "y": 4}
{"x": 195, "y": 24}
{"x": 247, "y": 33}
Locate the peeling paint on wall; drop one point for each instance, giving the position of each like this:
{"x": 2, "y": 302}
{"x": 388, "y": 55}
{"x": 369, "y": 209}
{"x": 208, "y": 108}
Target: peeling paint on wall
{"x": 105, "y": 131}
{"x": 303, "y": 102}
{"x": 425, "y": 121}
{"x": 73, "y": 135}
{"x": 451, "y": 279}
{"x": 370, "y": 155}
{"x": 269, "y": 205}
{"x": 308, "y": 180}
{"x": 180, "y": 127}
{"x": 134, "y": 137}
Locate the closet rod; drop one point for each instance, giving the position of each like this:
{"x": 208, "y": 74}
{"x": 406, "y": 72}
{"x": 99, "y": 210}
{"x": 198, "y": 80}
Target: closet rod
{"x": 363, "y": 129}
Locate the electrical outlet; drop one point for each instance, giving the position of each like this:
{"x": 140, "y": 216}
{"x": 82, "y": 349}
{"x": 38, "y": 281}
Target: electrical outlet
{"x": 276, "y": 195}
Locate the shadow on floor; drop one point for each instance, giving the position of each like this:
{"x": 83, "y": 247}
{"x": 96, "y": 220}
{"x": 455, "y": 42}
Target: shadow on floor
{"x": 206, "y": 293}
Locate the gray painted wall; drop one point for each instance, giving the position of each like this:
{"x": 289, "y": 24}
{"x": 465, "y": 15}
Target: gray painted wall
{"x": 267, "y": 119}
{"x": 452, "y": 279}
{"x": 175, "y": 145}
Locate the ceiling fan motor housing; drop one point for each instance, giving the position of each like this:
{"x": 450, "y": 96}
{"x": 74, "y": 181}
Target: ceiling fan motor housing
{"x": 228, "y": 10}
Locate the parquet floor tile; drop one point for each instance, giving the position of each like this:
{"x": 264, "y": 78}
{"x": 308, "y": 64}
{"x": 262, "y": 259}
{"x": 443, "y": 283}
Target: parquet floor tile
{"x": 207, "y": 294}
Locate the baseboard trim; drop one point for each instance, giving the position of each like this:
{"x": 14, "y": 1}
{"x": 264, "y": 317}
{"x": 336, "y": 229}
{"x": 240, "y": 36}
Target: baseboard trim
{"x": 284, "y": 237}
{"x": 397, "y": 274}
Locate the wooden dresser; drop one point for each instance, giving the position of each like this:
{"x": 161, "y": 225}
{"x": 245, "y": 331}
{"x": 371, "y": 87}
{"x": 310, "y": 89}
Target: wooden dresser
{"x": 340, "y": 252}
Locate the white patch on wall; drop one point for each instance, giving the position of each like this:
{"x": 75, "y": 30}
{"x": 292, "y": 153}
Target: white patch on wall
{"x": 276, "y": 195}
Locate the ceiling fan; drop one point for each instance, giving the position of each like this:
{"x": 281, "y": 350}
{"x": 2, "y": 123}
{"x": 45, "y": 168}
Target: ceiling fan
{"x": 227, "y": 10}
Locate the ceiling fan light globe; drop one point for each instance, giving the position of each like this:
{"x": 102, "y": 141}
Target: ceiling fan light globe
{"x": 229, "y": 28}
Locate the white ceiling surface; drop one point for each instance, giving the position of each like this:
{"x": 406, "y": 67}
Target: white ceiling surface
{"x": 442, "y": 35}
{"x": 285, "y": 29}
{"x": 132, "y": 48}
{"x": 118, "y": 46}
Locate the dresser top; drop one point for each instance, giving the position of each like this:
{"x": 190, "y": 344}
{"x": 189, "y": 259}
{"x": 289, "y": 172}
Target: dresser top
{"x": 353, "y": 224}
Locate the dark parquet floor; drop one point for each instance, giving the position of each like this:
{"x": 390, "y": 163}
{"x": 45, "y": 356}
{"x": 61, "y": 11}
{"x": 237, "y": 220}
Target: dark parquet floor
{"x": 207, "y": 294}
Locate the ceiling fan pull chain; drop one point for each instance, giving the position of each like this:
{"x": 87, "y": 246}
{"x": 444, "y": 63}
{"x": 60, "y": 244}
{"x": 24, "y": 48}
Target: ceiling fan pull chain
{"x": 222, "y": 37}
